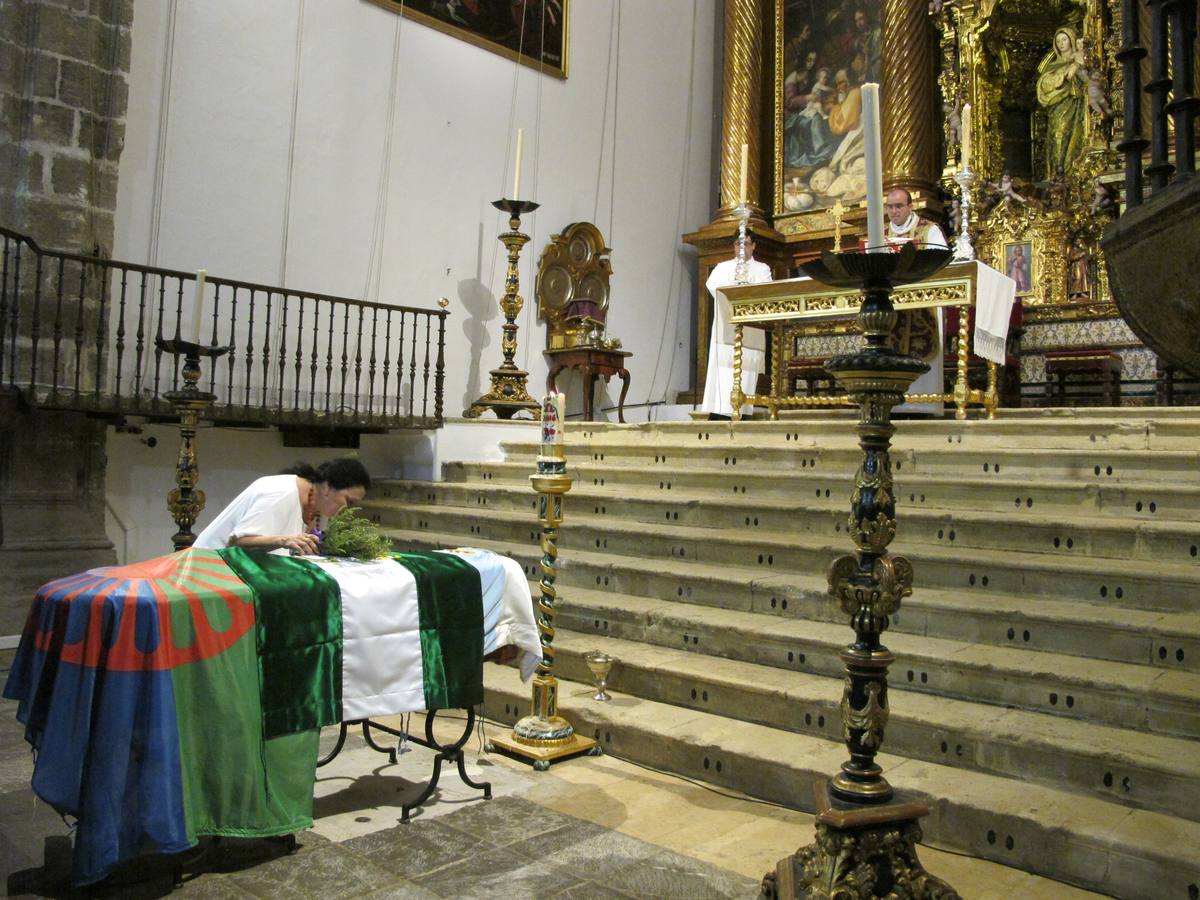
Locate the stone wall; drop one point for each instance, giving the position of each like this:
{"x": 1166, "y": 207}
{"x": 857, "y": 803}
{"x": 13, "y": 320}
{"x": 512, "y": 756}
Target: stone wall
{"x": 63, "y": 95}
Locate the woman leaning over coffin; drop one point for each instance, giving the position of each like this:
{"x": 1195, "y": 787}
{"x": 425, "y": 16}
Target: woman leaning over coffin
{"x": 282, "y": 511}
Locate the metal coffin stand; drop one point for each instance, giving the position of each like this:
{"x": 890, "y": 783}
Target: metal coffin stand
{"x": 451, "y": 752}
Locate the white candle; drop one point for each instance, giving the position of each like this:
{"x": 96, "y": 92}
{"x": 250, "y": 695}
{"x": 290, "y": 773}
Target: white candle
{"x": 742, "y": 182}
{"x": 517, "y": 167}
{"x": 553, "y": 410}
{"x": 198, "y": 307}
{"x": 966, "y": 136}
{"x": 874, "y": 160}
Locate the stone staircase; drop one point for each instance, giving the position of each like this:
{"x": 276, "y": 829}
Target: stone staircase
{"x": 1046, "y": 694}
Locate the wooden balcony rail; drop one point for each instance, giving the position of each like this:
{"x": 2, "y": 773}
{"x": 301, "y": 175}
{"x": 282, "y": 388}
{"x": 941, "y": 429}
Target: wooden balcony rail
{"x": 79, "y": 333}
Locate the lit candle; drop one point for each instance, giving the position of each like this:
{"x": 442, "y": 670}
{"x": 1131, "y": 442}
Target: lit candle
{"x": 966, "y": 137}
{"x": 517, "y": 168}
{"x": 198, "y": 306}
{"x": 742, "y": 182}
{"x": 874, "y": 160}
{"x": 553, "y": 410}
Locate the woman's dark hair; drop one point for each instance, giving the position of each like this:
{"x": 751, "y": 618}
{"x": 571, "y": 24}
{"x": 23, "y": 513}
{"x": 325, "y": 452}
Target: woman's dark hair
{"x": 303, "y": 469}
{"x": 343, "y": 472}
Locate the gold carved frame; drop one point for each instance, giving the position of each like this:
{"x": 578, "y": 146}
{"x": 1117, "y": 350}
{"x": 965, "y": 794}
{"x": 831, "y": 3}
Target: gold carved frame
{"x": 557, "y": 69}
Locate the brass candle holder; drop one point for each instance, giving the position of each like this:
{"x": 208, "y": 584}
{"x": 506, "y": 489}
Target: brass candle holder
{"x": 186, "y": 501}
{"x": 509, "y": 393}
{"x": 866, "y": 837}
{"x": 544, "y": 736}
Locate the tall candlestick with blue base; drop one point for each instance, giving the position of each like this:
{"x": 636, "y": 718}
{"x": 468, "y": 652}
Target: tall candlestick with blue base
{"x": 544, "y": 736}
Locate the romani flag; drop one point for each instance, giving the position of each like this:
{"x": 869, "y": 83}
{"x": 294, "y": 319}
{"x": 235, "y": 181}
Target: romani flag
{"x": 181, "y": 696}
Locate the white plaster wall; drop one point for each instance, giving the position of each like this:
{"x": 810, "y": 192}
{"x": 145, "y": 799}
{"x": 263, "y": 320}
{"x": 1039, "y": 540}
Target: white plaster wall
{"x": 140, "y": 476}
{"x": 206, "y": 181}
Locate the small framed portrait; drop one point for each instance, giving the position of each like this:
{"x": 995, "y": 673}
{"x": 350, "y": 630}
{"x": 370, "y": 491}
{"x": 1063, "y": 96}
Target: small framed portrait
{"x": 1018, "y": 265}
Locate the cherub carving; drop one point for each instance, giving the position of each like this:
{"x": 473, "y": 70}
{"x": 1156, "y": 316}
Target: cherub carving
{"x": 1103, "y": 201}
{"x": 954, "y": 120}
{"x": 1097, "y": 94}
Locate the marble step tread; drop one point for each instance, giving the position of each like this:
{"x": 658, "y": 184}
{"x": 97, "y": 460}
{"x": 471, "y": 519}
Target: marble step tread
{"x": 1163, "y": 772}
{"x": 1105, "y": 497}
{"x": 1062, "y": 671}
{"x": 1008, "y": 466}
{"x": 1094, "y": 843}
{"x": 1113, "y": 523}
{"x": 1160, "y": 631}
{"x": 1049, "y": 565}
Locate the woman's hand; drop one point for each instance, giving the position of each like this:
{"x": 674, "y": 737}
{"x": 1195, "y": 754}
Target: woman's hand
{"x": 304, "y": 544}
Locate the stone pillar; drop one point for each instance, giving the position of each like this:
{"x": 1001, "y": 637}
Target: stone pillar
{"x": 741, "y": 106}
{"x": 63, "y": 95}
{"x": 908, "y": 86}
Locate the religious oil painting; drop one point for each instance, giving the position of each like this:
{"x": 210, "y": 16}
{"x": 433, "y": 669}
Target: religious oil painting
{"x": 825, "y": 51}
{"x": 532, "y": 32}
{"x": 1018, "y": 265}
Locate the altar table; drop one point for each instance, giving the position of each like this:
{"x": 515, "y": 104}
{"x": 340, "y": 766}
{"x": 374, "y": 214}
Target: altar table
{"x": 181, "y": 697}
{"x": 962, "y": 284}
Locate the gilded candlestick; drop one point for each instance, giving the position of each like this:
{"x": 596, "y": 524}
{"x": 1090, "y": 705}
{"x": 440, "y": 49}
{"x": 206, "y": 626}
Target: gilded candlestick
{"x": 509, "y": 393}
{"x": 186, "y": 501}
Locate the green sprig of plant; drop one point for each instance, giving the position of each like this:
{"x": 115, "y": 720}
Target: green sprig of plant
{"x": 352, "y": 535}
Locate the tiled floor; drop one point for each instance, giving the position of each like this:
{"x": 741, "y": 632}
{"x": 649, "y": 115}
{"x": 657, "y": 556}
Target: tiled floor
{"x": 592, "y": 827}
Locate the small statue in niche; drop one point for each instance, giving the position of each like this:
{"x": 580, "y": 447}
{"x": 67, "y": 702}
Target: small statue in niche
{"x": 954, "y": 121}
{"x": 1079, "y": 274}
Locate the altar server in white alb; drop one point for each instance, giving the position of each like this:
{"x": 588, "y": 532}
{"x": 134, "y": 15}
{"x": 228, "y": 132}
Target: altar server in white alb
{"x": 718, "y": 385}
{"x": 903, "y": 226}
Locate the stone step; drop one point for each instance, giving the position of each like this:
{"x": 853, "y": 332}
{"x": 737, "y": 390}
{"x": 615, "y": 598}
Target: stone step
{"x": 1076, "y": 535}
{"x": 1130, "y": 768}
{"x": 1009, "y": 466}
{"x": 1129, "y": 696}
{"x": 1132, "y": 696}
{"x": 1135, "y": 583}
{"x": 1102, "y": 846}
{"x": 1136, "y": 500}
{"x": 1174, "y": 428}
{"x": 1166, "y": 640}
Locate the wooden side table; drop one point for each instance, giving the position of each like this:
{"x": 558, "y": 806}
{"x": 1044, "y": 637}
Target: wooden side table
{"x": 1096, "y": 363}
{"x": 592, "y": 363}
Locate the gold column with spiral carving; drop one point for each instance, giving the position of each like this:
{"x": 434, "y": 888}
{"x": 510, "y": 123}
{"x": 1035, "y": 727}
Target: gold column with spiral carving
{"x": 741, "y": 106}
{"x": 544, "y": 736}
{"x": 908, "y": 92}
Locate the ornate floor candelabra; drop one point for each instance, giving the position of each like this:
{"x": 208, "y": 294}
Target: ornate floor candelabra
{"x": 508, "y": 394}
{"x": 186, "y": 501}
{"x": 866, "y": 838}
{"x": 544, "y": 736}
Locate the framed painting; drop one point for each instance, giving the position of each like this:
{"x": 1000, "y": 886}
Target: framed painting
{"x": 532, "y": 32}
{"x": 1018, "y": 265}
{"x": 825, "y": 50}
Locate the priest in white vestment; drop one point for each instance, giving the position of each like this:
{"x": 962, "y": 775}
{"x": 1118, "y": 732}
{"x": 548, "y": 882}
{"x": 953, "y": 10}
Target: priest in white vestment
{"x": 718, "y": 384}
{"x": 903, "y": 226}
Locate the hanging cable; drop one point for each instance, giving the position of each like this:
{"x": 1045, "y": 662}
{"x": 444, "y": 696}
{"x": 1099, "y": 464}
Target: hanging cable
{"x": 531, "y": 300}
{"x": 378, "y": 226}
{"x": 291, "y": 162}
{"x": 612, "y": 177}
{"x": 604, "y": 118}
{"x": 673, "y": 299}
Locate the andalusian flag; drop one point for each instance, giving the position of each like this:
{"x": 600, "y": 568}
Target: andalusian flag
{"x": 181, "y": 696}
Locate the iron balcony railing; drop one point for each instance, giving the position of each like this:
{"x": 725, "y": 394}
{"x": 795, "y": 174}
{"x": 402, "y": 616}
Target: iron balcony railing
{"x": 80, "y": 333}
